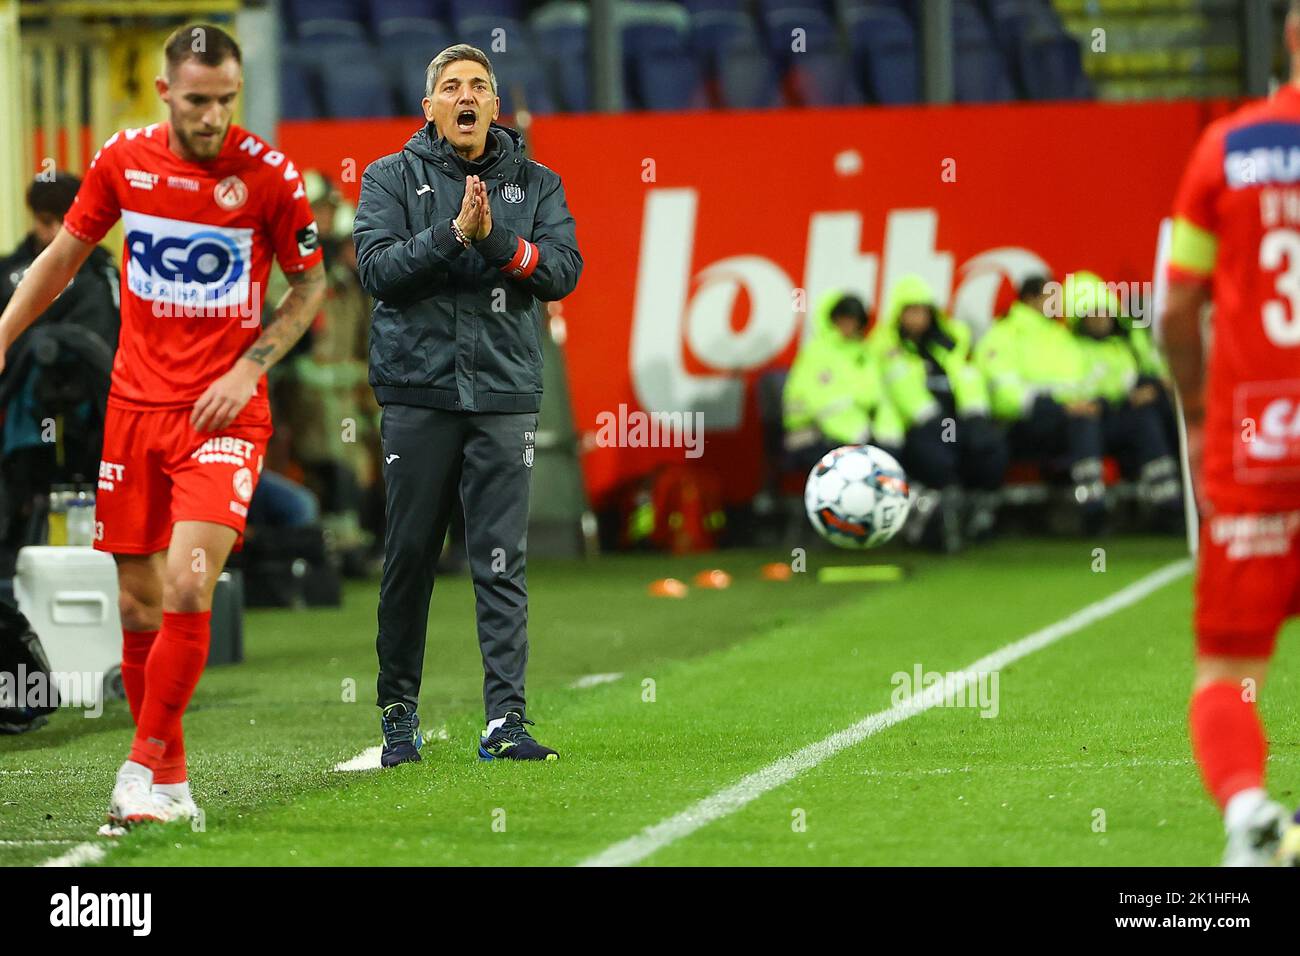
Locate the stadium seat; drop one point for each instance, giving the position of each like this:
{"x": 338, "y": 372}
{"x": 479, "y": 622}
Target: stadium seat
{"x": 747, "y": 79}
{"x": 885, "y": 54}
{"x": 715, "y": 6}
{"x": 319, "y": 19}
{"x": 1053, "y": 68}
{"x": 406, "y": 73}
{"x": 714, "y": 31}
{"x": 495, "y": 36}
{"x": 1019, "y": 24}
{"x": 560, "y": 31}
{"x": 356, "y": 88}
{"x": 669, "y": 82}
{"x": 823, "y": 79}
{"x": 781, "y": 23}
{"x": 426, "y": 37}
{"x": 768, "y": 7}
{"x": 390, "y": 17}
{"x": 651, "y": 31}
{"x": 522, "y": 83}
{"x": 980, "y": 72}
{"x": 298, "y": 98}
{"x": 485, "y": 9}
{"x": 650, "y": 28}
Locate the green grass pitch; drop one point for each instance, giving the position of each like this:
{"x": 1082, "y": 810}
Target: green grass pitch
{"x": 1085, "y": 763}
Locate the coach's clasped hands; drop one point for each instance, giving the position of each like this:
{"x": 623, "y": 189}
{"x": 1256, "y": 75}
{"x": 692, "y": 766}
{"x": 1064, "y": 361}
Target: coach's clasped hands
{"x": 225, "y": 398}
{"x": 475, "y": 219}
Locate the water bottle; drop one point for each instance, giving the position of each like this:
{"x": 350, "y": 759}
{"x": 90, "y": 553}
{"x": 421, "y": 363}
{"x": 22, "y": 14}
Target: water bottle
{"x": 57, "y": 523}
{"x": 81, "y": 518}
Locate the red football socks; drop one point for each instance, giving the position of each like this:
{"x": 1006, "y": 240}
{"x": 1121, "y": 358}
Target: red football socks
{"x": 1227, "y": 740}
{"x": 172, "y": 672}
{"x": 135, "y": 654}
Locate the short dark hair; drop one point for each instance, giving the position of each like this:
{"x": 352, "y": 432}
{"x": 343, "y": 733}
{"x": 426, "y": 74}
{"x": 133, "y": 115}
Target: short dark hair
{"x": 850, "y": 305}
{"x": 53, "y": 197}
{"x": 1032, "y": 286}
{"x": 210, "y": 45}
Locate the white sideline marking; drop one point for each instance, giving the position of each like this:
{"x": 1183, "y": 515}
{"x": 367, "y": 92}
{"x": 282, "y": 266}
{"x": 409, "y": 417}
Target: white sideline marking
{"x": 1135, "y": 763}
{"x": 79, "y": 855}
{"x": 36, "y": 842}
{"x": 732, "y": 798}
{"x": 368, "y": 759}
{"x": 593, "y": 680}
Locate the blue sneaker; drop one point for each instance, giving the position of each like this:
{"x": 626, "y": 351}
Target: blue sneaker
{"x": 402, "y": 739}
{"x": 512, "y": 741}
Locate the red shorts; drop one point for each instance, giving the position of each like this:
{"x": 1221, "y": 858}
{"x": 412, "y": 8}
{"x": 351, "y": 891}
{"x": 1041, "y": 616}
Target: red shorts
{"x": 1247, "y": 582}
{"x": 156, "y": 470}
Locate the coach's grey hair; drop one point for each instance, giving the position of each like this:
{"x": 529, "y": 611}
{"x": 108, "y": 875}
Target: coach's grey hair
{"x": 460, "y": 51}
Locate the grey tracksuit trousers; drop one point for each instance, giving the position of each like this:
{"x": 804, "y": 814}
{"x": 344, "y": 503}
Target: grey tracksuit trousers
{"x": 428, "y": 454}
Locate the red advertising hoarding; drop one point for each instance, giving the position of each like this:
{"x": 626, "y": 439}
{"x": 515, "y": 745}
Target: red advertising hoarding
{"x": 705, "y": 235}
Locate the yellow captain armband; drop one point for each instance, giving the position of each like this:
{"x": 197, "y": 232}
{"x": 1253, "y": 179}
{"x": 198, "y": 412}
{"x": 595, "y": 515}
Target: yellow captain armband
{"x": 1192, "y": 250}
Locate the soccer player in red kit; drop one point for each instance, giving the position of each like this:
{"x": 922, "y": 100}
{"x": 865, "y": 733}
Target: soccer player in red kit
{"x": 204, "y": 206}
{"x": 1236, "y": 240}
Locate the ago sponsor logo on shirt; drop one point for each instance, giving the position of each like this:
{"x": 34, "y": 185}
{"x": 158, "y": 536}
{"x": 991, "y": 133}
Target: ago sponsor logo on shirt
{"x": 187, "y": 263}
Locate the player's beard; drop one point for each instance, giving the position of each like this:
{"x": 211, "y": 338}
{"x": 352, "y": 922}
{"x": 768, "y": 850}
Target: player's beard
{"x": 203, "y": 148}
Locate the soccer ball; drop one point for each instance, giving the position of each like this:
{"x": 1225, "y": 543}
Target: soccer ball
{"x": 857, "y": 496}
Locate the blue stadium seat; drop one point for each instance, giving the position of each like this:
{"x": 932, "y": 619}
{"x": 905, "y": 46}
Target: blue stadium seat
{"x": 485, "y": 31}
{"x": 1012, "y": 22}
{"x": 356, "y": 88}
{"x": 651, "y": 31}
{"x": 486, "y": 9}
{"x": 669, "y": 82}
{"x": 407, "y": 74}
{"x": 426, "y": 37}
{"x": 522, "y": 83}
{"x": 326, "y": 19}
{"x": 713, "y": 6}
{"x": 885, "y": 51}
{"x": 980, "y": 73}
{"x": 390, "y": 18}
{"x": 824, "y": 79}
{"x": 767, "y": 7}
{"x": 781, "y": 23}
{"x": 297, "y": 94}
{"x": 560, "y": 34}
{"x": 715, "y": 31}
{"x": 747, "y": 80}
{"x": 1052, "y": 68}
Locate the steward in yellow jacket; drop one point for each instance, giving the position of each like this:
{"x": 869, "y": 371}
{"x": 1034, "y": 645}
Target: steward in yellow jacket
{"x": 951, "y": 445}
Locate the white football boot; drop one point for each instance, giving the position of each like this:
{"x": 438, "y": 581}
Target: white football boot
{"x": 1256, "y": 840}
{"x": 132, "y": 801}
{"x": 173, "y": 808}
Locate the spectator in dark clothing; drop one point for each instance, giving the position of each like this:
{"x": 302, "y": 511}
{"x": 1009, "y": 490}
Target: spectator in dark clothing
{"x": 57, "y": 397}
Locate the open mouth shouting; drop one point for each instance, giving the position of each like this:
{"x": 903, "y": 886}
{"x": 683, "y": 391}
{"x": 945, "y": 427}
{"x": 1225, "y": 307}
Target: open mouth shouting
{"x": 466, "y": 120}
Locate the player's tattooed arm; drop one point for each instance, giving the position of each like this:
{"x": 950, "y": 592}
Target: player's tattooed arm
{"x": 293, "y": 316}
{"x": 226, "y": 397}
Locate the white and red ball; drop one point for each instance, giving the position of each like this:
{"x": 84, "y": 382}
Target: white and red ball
{"x": 857, "y": 496}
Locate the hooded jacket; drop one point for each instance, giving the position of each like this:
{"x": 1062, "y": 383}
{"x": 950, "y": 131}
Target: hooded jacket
{"x": 834, "y": 387}
{"x": 904, "y": 369}
{"x": 1116, "y": 362}
{"x": 1026, "y": 355}
{"x": 452, "y": 327}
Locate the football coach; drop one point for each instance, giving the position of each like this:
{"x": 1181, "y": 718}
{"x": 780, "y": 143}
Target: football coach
{"x": 459, "y": 238}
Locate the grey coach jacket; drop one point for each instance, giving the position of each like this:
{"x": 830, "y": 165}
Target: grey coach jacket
{"x": 457, "y": 328}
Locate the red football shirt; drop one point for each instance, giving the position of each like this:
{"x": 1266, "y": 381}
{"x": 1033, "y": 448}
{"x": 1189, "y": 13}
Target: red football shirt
{"x": 1240, "y": 205}
{"x": 196, "y": 255}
